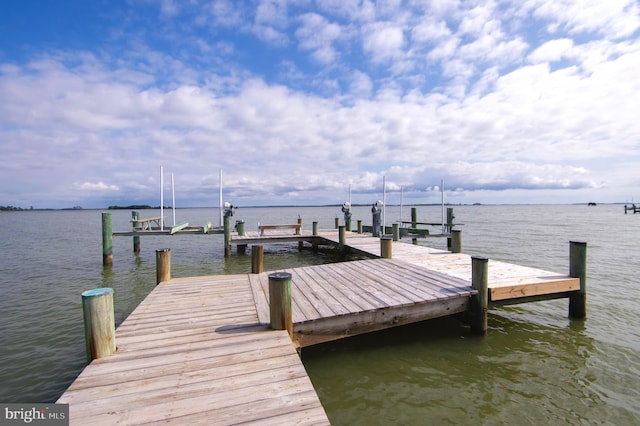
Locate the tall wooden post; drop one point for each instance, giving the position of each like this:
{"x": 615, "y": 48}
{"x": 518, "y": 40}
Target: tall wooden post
{"x": 386, "y": 246}
{"x": 136, "y": 226}
{"x": 479, "y": 302}
{"x": 99, "y": 322}
{"x": 299, "y": 231}
{"x": 163, "y": 265}
{"x": 314, "y": 231}
{"x": 456, "y": 241}
{"x": 227, "y": 236}
{"x": 257, "y": 259}
{"x": 342, "y": 237}
{"x": 359, "y": 226}
{"x": 414, "y": 222}
{"x": 336, "y": 222}
{"x": 395, "y": 232}
{"x": 280, "y": 302}
{"x": 578, "y": 269}
{"x": 107, "y": 240}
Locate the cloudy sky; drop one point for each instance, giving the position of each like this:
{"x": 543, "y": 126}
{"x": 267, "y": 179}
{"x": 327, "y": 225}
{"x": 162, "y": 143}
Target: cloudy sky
{"x": 507, "y": 101}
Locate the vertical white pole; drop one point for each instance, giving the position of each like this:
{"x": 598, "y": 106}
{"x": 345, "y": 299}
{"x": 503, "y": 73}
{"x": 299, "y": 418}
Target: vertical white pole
{"x": 173, "y": 199}
{"x": 442, "y": 189}
{"x": 384, "y": 204}
{"x": 161, "y": 198}
{"x": 220, "y": 186}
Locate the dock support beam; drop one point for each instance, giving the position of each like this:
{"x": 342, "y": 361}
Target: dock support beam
{"x": 479, "y": 302}
{"x": 99, "y": 322}
{"x": 107, "y": 240}
{"x": 386, "y": 246}
{"x": 136, "y": 226}
{"x": 257, "y": 259}
{"x": 280, "y": 302}
{"x": 578, "y": 269}
{"x": 163, "y": 265}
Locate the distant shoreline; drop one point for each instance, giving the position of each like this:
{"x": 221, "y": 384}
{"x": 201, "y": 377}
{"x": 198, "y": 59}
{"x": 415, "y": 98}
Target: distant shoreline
{"x": 148, "y": 207}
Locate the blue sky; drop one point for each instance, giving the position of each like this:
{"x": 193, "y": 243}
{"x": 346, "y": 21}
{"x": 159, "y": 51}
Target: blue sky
{"x": 523, "y": 101}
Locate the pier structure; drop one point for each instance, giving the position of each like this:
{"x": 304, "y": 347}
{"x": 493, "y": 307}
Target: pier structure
{"x": 219, "y": 349}
{"x": 633, "y": 208}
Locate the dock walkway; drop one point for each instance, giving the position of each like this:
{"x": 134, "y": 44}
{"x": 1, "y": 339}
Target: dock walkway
{"x": 193, "y": 352}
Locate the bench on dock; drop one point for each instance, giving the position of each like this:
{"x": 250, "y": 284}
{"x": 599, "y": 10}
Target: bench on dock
{"x": 145, "y": 223}
{"x": 263, "y": 228}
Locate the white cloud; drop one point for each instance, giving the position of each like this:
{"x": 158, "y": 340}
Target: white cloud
{"x": 551, "y": 51}
{"x": 317, "y": 34}
{"x": 383, "y": 41}
{"x": 97, "y": 186}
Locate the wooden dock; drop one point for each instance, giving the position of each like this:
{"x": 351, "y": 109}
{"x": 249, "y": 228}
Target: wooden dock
{"x": 200, "y": 351}
{"x": 194, "y": 352}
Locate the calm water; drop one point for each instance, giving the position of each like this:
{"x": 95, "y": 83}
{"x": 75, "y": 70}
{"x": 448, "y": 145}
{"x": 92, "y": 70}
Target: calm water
{"x": 535, "y": 367}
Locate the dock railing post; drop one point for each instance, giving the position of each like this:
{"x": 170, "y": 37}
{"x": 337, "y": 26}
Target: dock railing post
{"x": 107, "y": 240}
{"x": 163, "y": 265}
{"x": 578, "y": 269}
{"x": 456, "y": 241}
{"x": 480, "y": 301}
{"x": 257, "y": 259}
{"x": 99, "y": 322}
{"x": 386, "y": 246}
{"x": 280, "y": 302}
{"x": 136, "y": 226}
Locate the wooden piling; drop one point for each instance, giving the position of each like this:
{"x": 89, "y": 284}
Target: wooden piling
{"x": 257, "y": 259}
{"x": 342, "y": 237}
{"x": 395, "y": 232}
{"x": 280, "y": 302}
{"x": 163, "y": 265}
{"x": 456, "y": 241}
{"x": 227, "y": 236}
{"x": 107, "y": 240}
{"x": 359, "y": 226}
{"x": 99, "y": 323}
{"x": 314, "y": 231}
{"x": 414, "y": 223}
{"x": 136, "y": 226}
{"x": 386, "y": 246}
{"x": 299, "y": 231}
{"x": 337, "y": 222}
{"x": 479, "y": 302}
{"x": 578, "y": 269}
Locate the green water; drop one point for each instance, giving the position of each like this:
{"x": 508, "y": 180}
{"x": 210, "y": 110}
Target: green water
{"x": 535, "y": 366}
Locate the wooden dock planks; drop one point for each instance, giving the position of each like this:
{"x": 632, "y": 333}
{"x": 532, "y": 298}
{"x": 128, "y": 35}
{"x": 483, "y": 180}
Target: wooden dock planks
{"x": 193, "y": 352}
{"x": 506, "y": 280}
{"x": 336, "y": 300}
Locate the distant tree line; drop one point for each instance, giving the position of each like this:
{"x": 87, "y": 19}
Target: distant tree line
{"x": 13, "y": 209}
{"x": 133, "y": 207}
